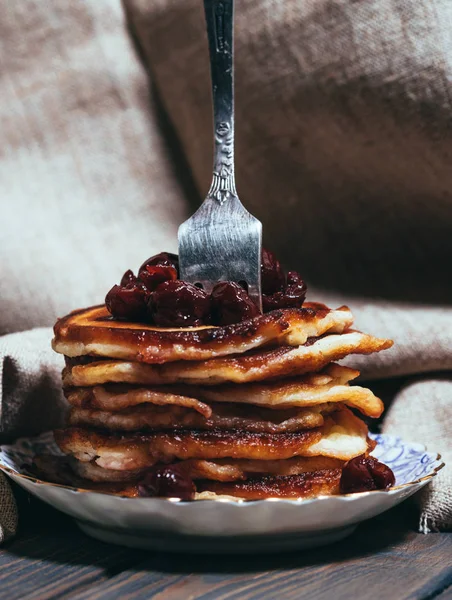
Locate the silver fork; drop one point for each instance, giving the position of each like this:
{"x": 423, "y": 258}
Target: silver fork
{"x": 222, "y": 241}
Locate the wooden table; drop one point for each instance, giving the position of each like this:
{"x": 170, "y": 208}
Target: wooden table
{"x": 384, "y": 558}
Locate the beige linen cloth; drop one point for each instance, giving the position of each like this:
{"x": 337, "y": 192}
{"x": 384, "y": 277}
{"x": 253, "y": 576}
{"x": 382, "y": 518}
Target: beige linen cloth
{"x": 343, "y": 116}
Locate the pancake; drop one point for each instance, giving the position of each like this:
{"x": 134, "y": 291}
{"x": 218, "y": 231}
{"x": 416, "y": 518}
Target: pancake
{"x": 308, "y": 485}
{"x": 223, "y": 416}
{"x": 343, "y": 436}
{"x": 285, "y": 361}
{"x": 330, "y": 385}
{"x": 117, "y": 397}
{"x": 92, "y": 331}
{"x": 90, "y": 471}
{"x": 226, "y": 469}
{"x": 57, "y": 469}
{"x": 129, "y": 452}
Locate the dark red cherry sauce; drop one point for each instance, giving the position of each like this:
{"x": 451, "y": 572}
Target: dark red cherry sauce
{"x": 167, "y": 482}
{"x": 364, "y": 474}
{"x": 157, "y": 296}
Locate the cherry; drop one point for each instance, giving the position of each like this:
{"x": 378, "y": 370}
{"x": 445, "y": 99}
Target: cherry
{"x": 295, "y": 291}
{"x": 127, "y": 278}
{"x": 231, "y": 304}
{"x": 157, "y": 292}
{"x": 272, "y": 274}
{"x": 179, "y": 304}
{"x": 163, "y": 259}
{"x": 152, "y": 277}
{"x": 292, "y": 296}
{"x": 128, "y": 302}
{"x": 365, "y": 473}
{"x": 167, "y": 482}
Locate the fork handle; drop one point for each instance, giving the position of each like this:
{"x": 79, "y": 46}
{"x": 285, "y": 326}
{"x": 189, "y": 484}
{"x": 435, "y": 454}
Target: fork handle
{"x": 220, "y": 27}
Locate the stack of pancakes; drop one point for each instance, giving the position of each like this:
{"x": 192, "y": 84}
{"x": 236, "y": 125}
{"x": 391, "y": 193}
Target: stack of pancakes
{"x": 253, "y": 410}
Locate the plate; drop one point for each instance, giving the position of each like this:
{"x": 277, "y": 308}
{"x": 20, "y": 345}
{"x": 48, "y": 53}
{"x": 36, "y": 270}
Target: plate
{"x": 224, "y": 526}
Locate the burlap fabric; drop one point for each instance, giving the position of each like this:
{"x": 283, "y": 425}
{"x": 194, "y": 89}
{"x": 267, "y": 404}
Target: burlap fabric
{"x": 87, "y": 184}
{"x": 343, "y": 137}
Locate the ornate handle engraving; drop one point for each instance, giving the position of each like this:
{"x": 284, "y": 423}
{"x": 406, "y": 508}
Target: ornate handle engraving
{"x": 223, "y": 182}
{"x": 219, "y": 18}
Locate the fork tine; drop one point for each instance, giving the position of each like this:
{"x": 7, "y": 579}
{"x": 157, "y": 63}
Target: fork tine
{"x": 213, "y": 249}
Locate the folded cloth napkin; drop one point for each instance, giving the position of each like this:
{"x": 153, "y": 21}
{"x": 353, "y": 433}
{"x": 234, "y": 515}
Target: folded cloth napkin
{"x": 8, "y": 511}
{"x": 30, "y": 400}
{"x": 422, "y": 412}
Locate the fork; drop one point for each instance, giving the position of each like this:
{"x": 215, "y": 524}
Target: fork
{"x": 222, "y": 241}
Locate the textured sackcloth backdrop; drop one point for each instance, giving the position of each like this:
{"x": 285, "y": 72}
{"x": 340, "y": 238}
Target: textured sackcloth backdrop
{"x": 343, "y": 118}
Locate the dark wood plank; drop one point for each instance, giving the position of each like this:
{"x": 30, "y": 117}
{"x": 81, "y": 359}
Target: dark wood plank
{"x": 384, "y": 558}
{"x": 51, "y": 558}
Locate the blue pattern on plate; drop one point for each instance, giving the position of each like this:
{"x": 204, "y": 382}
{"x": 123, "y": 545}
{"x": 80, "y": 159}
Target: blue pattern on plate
{"x": 408, "y": 461}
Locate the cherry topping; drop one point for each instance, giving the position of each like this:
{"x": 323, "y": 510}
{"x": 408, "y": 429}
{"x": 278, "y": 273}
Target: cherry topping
{"x": 295, "y": 289}
{"x": 292, "y": 296}
{"x": 128, "y": 302}
{"x": 163, "y": 259}
{"x": 272, "y": 274}
{"x": 231, "y": 304}
{"x": 365, "y": 473}
{"x": 167, "y": 482}
{"x": 158, "y": 293}
{"x": 152, "y": 277}
{"x": 179, "y": 304}
{"x": 127, "y": 278}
